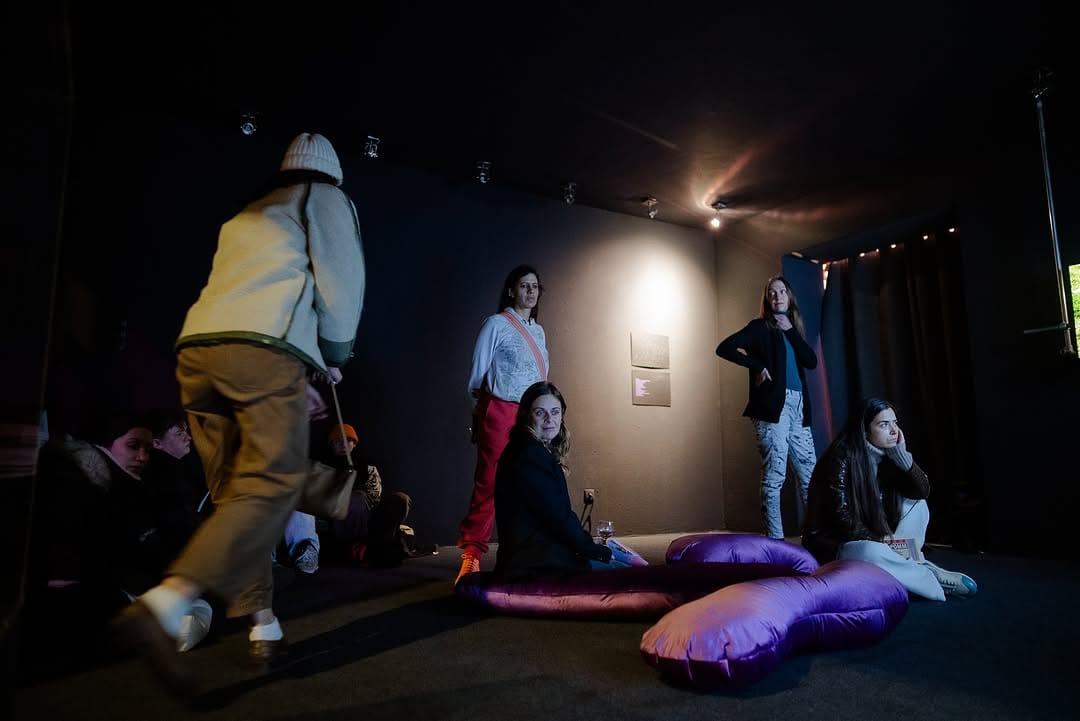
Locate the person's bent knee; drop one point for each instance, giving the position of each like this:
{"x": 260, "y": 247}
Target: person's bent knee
{"x": 398, "y": 503}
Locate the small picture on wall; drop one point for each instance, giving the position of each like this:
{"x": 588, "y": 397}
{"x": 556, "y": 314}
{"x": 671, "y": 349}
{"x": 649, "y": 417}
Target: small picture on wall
{"x": 648, "y": 350}
{"x": 650, "y": 388}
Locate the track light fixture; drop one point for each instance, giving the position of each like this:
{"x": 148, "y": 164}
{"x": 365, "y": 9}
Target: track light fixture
{"x": 483, "y": 171}
{"x": 249, "y": 123}
{"x": 371, "y": 147}
{"x": 570, "y": 192}
{"x": 650, "y": 203}
{"x": 717, "y": 206}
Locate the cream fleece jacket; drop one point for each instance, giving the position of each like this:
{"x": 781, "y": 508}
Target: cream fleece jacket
{"x": 288, "y": 272}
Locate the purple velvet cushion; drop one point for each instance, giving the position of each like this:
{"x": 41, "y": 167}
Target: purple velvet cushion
{"x": 638, "y": 592}
{"x": 739, "y": 548}
{"x": 735, "y": 636}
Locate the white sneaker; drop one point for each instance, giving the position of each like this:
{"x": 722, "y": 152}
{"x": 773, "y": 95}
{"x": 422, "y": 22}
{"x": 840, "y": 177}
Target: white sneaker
{"x": 308, "y": 560}
{"x": 953, "y": 583}
{"x": 194, "y": 626}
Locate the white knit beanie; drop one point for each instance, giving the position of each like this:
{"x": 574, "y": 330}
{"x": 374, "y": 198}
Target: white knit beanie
{"x": 311, "y": 151}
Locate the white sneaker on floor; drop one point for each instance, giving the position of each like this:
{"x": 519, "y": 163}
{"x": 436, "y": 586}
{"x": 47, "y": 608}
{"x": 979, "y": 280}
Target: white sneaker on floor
{"x": 953, "y": 583}
{"x": 194, "y": 626}
{"x": 308, "y": 560}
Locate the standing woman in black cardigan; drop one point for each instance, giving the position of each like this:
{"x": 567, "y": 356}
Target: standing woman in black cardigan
{"x": 773, "y": 349}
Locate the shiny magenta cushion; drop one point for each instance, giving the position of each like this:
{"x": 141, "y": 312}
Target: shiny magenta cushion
{"x": 698, "y": 565}
{"x": 739, "y": 548}
{"x": 735, "y": 636}
{"x": 638, "y": 592}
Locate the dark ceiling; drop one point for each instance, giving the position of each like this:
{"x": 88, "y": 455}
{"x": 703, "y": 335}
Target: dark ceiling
{"x": 812, "y": 122}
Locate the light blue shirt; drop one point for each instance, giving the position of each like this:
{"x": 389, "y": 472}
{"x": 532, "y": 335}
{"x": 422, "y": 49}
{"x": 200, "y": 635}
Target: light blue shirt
{"x": 793, "y": 382}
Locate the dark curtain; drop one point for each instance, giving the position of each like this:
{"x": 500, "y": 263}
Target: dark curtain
{"x": 805, "y": 280}
{"x": 893, "y": 327}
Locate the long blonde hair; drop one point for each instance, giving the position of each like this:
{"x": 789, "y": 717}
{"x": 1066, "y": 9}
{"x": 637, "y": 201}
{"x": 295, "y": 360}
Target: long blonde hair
{"x": 794, "y": 315}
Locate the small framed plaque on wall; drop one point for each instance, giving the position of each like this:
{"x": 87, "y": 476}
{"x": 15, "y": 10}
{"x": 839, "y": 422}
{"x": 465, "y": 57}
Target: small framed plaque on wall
{"x": 650, "y": 388}
{"x": 648, "y": 350}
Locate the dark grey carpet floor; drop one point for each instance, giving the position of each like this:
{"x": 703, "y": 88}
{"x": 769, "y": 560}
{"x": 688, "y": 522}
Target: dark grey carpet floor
{"x": 397, "y": 644}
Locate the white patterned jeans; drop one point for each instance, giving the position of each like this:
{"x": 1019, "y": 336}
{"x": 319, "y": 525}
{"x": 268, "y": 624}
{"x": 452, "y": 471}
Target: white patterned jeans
{"x": 778, "y": 443}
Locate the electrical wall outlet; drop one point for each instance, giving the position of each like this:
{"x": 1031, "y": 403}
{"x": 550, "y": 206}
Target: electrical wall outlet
{"x": 590, "y": 496}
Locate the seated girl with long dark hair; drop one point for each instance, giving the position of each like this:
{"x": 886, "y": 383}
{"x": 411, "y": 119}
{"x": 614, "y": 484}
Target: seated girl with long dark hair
{"x": 539, "y": 534}
{"x": 867, "y": 492}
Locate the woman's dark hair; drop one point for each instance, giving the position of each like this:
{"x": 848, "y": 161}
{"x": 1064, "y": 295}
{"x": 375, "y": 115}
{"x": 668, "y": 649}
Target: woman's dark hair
{"x": 794, "y": 314}
{"x": 560, "y": 444}
{"x": 864, "y": 493}
{"x": 115, "y": 423}
{"x": 512, "y": 279}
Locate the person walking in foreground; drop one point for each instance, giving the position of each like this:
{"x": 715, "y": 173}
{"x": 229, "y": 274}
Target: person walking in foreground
{"x": 283, "y": 300}
{"x": 774, "y": 350}
{"x": 510, "y": 355}
{"x": 868, "y": 502}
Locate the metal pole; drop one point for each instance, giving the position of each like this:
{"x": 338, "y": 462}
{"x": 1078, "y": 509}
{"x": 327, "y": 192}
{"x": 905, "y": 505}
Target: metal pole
{"x": 1042, "y": 78}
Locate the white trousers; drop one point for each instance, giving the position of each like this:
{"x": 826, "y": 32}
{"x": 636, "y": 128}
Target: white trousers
{"x": 916, "y": 577}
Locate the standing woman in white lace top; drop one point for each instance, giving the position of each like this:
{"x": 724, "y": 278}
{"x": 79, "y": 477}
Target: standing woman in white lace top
{"x": 510, "y": 355}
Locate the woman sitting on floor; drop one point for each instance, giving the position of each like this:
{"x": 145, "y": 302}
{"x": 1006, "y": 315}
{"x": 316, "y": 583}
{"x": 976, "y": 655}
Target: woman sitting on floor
{"x": 102, "y": 533}
{"x": 867, "y": 498}
{"x": 539, "y": 534}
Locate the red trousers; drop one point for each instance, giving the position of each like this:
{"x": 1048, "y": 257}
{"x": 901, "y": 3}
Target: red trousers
{"x": 495, "y": 418}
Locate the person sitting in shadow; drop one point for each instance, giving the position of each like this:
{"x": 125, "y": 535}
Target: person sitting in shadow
{"x": 177, "y": 485}
{"x": 373, "y": 532}
{"x": 175, "y": 477}
{"x": 97, "y": 538}
{"x": 539, "y": 534}
{"x": 867, "y": 501}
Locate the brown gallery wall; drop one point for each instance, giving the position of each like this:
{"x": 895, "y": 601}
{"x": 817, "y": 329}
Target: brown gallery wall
{"x": 437, "y": 251}
{"x": 435, "y": 275}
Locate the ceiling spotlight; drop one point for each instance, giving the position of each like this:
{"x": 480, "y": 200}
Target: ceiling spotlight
{"x": 569, "y": 192}
{"x": 371, "y": 147}
{"x": 1042, "y": 82}
{"x": 650, "y": 203}
{"x": 483, "y": 171}
{"x": 249, "y": 123}
{"x": 717, "y": 205}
